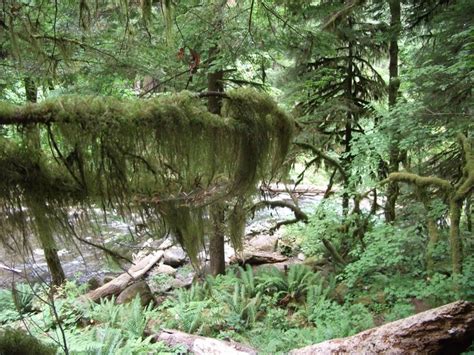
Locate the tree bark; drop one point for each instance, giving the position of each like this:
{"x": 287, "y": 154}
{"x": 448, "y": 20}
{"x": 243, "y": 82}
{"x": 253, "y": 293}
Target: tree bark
{"x": 394, "y": 85}
{"x": 455, "y": 208}
{"x": 445, "y": 330}
{"x": 216, "y": 241}
{"x": 214, "y": 104}
{"x": 37, "y": 205}
{"x": 47, "y": 242}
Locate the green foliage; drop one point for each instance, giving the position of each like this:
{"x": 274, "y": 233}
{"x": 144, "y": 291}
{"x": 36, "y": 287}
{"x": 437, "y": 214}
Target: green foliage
{"x": 102, "y": 341}
{"x": 335, "y": 321}
{"x": 131, "y": 317}
{"x": 17, "y": 342}
{"x": 389, "y": 251}
{"x": 8, "y": 309}
{"x": 399, "y": 311}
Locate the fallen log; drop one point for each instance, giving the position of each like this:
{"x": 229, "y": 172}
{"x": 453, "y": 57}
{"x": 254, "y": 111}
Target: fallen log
{"x": 257, "y": 258}
{"x": 199, "y": 345}
{"x": 117, "y": 285}
{"x": 443, "y": 330}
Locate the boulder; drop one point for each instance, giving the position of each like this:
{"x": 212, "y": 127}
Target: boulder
{"x": 262, "y": 242}
{"x": 164, "y": 269}
{"x": 174, "y": 256}
{"x": 93, "y": 283}
{"x": 140, "y": 288}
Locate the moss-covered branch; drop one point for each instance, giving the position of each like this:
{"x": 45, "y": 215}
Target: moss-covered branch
{"x": 109, "y": 151}
{"x": 330, "y": 160}
{"x": 420, "y": 181}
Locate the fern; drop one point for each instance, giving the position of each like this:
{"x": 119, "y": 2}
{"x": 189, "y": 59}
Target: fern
{"x": 248, "y": 280}
{"x": 299, "y": 279}
{"x": 23, "y": 297}
{"x": 8, "y": 311}
{"x": 106, "y": 311}
{"x": 243, "y": 305}
{"x": 133, "y": 317}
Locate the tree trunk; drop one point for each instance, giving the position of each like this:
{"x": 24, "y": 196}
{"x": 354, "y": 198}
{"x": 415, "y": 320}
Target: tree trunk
{"x": 468, "y": 212}
{"x": 214, "y": 103}
{"x": 216, "y": 241}
{"x": 455, "y": 208}
{"x": 433, "y": 238}
{"x": 38, "y": 206}
{"x": 445, "y": 330}
{"x": 394, "y": 85}
{"x": 47, "y": 242}
{"x": 348, "y": 127}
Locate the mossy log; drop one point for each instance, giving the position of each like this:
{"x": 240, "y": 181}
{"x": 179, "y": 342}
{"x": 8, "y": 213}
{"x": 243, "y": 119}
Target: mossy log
{"x": 445, "y": 330}
{"x": 199, "y": 345}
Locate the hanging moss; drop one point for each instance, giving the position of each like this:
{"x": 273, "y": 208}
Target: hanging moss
{"x": 167, "y": 153}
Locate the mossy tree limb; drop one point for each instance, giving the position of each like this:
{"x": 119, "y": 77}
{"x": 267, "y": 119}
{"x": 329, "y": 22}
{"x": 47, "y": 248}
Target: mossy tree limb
{"x": 167, "y": 156}
{"x": 455, "y": 195}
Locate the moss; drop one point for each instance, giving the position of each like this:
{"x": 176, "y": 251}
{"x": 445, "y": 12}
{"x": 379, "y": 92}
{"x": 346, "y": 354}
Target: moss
{"x": 17, "y": 342}
{"x": 169, "y": 151}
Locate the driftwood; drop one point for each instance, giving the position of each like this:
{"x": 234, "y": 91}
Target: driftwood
{"x": 199, "y": 345}
{"x": 7, "y": 268}
{"x": 117, "y": 285}
{"x": 298, "y": 189}
{"x": 445, "y": 330}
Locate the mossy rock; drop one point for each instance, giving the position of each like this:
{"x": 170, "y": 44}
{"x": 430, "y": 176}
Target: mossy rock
{"x": 18, "y": 342}
{"x": 140, "y": 289}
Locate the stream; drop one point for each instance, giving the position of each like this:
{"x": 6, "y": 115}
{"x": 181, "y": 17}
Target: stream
{"x": 83, "y": 262}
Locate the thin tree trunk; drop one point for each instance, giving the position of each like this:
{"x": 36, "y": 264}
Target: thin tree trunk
{"x": 468, "y": 212}
{"x": 433, "y": 238}
{"x": 394, "y": 85}
{"x": 48, "y": 244}
{"x": 348, "y": 126}
{"x": 455, "y": 208}
{"x": 216, "y": 240}
{"x": 37, "y": 205}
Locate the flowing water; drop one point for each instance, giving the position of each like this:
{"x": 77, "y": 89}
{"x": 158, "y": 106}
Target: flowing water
{"x": 82, "y": 261}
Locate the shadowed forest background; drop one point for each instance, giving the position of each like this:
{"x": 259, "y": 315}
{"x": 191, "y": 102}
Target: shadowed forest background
{"x": 271, "y": 174}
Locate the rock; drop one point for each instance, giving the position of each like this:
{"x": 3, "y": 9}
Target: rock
{"x": 263, "y": 242}
{"x": 107, "y": 278}
{"x": 93, "y": 283}
{"x": 164, "y": 269}
{"x": 175, "y": 256}
{"x": 140, "y": 288}
{"x": 301, "y": 257}
{"x": 166, "y": 244}
{"x": 185, "y": 282}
